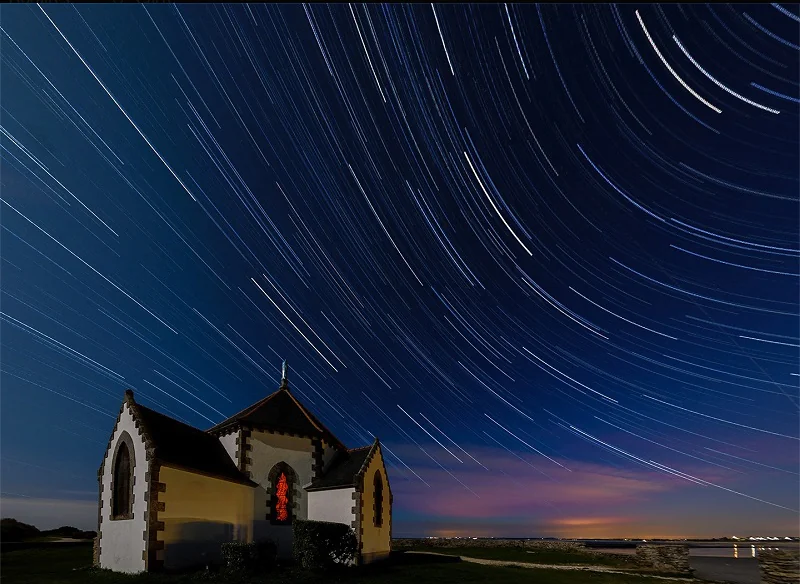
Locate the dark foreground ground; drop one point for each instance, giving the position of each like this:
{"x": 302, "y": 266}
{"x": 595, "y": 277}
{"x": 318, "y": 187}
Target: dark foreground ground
{"x": 719, "y": 569}
{"x": 738, "y": 571}
{"x": 69, "y": 564}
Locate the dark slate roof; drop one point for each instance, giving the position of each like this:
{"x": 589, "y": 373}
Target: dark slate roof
{"x": 180, "y": 445}
{"x": 282, "y": 412}
{"x": 344, "y": 469}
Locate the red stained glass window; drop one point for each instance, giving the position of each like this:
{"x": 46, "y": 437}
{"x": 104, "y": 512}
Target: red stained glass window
{"x": 282, "y": 500}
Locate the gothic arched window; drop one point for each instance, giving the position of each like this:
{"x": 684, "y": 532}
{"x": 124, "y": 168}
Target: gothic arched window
{"x": 282, "y": 479}
{"x": 122, "y": 479}
{"x": 282, "y": 505}
{"x": 378, "y": 484}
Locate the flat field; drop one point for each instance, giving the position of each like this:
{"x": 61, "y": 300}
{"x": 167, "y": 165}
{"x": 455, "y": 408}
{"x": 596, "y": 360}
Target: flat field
{"x": 71, "y": 564}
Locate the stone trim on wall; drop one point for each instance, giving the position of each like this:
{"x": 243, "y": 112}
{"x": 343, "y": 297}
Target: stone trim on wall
{"x": 356, "y": 510}
{"x": 359, "y": 485}
{"x": 243, "y": 448}
{"x": 361, "y": 527}
{"x": 390, "y": 498}
{"x": 317, "y": 465}
{"x": 294, "y": 492}
{"x": 153, "y": 560}
{"x": 97, "y": 547}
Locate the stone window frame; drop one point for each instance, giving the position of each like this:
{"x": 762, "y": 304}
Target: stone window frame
{"x": 124, "y": 438}
{"x": 292, "y": 493}
{"x": 377, "y": 505}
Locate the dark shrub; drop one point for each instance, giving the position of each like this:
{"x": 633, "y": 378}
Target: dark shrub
{"x": 245, "y": 558}
{"x": 69, "y": 532}
{"x": 266, "y": 555}
{"x": 321, "y": 544}
{"x": 13, "y": 530}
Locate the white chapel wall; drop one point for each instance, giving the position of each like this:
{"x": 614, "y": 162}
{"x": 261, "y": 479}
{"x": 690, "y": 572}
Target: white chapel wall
{"x": 229, "y": 443}
{"x": 267, "y": 450}
{"x": 122, "y": 542}
{"x": 335, "y": 505}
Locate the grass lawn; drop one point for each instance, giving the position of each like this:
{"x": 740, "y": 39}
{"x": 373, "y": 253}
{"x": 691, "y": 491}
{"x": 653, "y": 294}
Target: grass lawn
{"x": 70, "y": 565}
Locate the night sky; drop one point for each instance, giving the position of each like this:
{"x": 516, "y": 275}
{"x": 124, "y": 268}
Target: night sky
{"x": 548, "y": 255}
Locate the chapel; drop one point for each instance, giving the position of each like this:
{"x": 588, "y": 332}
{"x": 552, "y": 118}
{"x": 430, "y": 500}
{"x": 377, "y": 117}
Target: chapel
{"x": 171, "y": 494}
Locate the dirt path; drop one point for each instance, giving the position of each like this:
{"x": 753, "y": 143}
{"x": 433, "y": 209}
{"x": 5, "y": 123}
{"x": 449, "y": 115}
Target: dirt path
{"x": 585, "y": 568}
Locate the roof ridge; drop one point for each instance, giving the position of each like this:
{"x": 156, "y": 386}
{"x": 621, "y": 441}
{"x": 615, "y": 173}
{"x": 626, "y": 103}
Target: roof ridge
{"x": 360, "y": 447}
{"x": 256, "y": 405}
{"x": 368, "y": 459}
{"x": 177, "y": 444}
{"x": 314, "y": 420}
{"x": 176, "y": 420}
{"x": 306, "y": 413}
{"x": 345, "y": 470}
{"x": 261, "y": 406}
{"x": 246, "y": 410}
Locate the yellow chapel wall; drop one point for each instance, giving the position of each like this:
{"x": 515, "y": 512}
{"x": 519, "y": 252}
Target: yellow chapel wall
{"x": 200, "y": 513}
{"x": 375, "y": 541}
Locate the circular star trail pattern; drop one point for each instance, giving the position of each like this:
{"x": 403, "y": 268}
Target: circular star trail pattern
{"x": 488, "y": 234}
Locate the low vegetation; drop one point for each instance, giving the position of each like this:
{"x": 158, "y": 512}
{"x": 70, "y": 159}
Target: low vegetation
{"x": 70, "y": 564}
{"x": 242, "y": 559}
{"x": 319, "y": 545}
{"x": 12, "y": 530}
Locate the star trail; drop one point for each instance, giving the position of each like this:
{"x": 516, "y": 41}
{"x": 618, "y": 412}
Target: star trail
{"x": 548, "y": 254}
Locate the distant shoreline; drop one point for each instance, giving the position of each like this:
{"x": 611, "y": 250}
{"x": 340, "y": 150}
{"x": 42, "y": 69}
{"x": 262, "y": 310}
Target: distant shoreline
{"x": 629, "y": 542}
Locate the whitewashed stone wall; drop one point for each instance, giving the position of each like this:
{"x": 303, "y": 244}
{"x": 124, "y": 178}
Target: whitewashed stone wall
{"x": 122, "y": 541}
{"x": 334, "y": 505}
{"x": 269, "y": 449}
{"x": 231, "y": 447}
{"x": 266, "y": 450}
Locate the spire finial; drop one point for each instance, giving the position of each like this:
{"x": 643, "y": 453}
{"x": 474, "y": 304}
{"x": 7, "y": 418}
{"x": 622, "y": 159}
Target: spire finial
{"x": 285, "y": 375}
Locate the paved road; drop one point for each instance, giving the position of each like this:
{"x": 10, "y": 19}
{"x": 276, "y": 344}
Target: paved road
{"x": 739, "y": 571}
{"x": 532, "y": 566}
{"x": 731, "y": 570}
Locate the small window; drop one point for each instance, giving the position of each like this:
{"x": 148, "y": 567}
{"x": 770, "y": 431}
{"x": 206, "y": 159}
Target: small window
{"x": 378, "y": 483}
{"x": 122, "y": 493}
